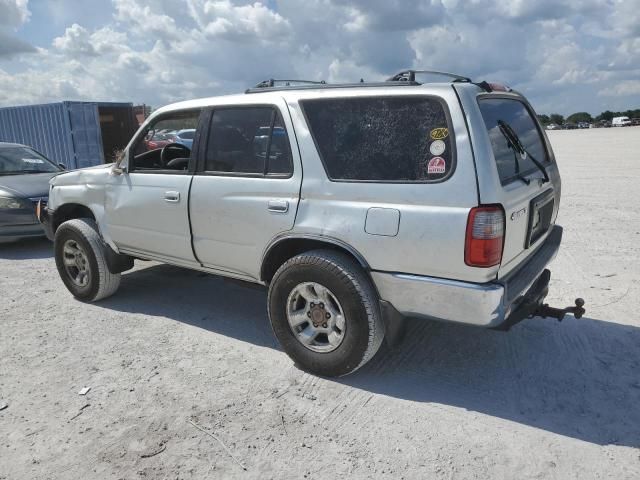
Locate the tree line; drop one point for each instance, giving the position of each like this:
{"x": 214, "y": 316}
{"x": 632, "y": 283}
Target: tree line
{"x": 579, "y": 117}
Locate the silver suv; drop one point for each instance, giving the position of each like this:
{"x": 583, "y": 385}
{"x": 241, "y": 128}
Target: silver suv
{"x": 356, "y": 205}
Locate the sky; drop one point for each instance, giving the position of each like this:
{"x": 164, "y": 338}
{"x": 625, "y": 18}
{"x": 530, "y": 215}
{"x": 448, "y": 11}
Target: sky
{"x": 564, "y": 55}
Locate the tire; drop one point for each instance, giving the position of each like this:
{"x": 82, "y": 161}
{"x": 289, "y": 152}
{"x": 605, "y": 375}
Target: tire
{"x": 85, "y": 273}
{"x": 353, "y": 340}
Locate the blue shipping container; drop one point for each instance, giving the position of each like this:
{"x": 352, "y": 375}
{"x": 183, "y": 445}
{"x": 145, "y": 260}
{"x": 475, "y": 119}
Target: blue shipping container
{"x": 70, "y": 133}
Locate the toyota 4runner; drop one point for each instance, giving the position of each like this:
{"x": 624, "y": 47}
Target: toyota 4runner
{"x": 356, "y": 205}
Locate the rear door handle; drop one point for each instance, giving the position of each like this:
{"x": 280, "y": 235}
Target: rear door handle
{"x": 279, "y": 206}
{"x": 173, "y": 197}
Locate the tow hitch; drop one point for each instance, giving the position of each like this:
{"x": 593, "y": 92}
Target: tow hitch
{"x": 545, "y": 311}
{"x": 531, "y": 305}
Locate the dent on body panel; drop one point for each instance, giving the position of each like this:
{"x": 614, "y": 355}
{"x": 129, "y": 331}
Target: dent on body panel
{"x": 85, "y": 187}
{"x": 334, "y": 219}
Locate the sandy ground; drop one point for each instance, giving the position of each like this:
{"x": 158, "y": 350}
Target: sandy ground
{"x": 546, "y": 400}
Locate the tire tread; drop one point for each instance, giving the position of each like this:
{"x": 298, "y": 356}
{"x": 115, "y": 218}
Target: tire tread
{"x": 344, "y": 267}
{"x": 108, "y": 282}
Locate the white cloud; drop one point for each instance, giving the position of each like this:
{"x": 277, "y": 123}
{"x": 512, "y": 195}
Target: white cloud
{"x": 244, "y": 22}
{"x": 76, "y": 40}
{"x": 13, "y": 13}
{"x": 148, "y": 18}
{"x": 565, "y": 55}
{"x": 621, "y": 89}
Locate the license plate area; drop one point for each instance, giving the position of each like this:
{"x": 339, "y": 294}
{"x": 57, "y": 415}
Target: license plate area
{"x": 540, "y": 215}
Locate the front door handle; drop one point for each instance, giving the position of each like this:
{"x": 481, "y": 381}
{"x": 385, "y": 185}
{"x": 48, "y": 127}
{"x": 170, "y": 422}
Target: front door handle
{"x": 172, "y": 197}
{"x": 279, "y": 206}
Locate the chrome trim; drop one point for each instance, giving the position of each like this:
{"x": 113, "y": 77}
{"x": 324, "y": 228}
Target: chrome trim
{"x": 481, "y": 304}
{"x": 441, "y": 299}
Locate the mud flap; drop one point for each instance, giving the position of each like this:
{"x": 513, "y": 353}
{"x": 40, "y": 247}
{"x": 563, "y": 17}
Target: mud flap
{"x": 42, "y": 213}
{"x": 394, "y": 324}
{"x": 117, "y": 262}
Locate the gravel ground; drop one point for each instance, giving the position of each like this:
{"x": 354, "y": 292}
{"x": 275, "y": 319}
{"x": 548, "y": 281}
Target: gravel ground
{"x": 176, "y": 348}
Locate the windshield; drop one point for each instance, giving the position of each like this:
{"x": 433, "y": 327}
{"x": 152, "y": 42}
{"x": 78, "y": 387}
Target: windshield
{"x": 17, "y": 160}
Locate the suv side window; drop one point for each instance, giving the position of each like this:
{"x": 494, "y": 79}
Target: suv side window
{"x": 382, "y": 139}
{"x": 248, "y": 141}
{"x": 163, "y": 146}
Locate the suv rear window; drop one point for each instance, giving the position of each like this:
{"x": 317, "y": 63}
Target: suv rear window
{"x": 382, "y": 139}
{"x": 515, "y": 114}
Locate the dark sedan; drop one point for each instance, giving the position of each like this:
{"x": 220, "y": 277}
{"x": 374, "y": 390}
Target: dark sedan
{"x": 24, "y": 181}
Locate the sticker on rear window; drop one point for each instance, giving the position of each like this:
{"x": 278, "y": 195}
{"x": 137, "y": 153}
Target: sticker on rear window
{"x": 32, "y": 160}
{"x": 439, "y": 133}
{"x": 437, "y": 147}
{"x": 436, "y": 165}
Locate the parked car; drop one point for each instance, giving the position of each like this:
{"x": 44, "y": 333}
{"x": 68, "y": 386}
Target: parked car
{"x": 553, "y": 126}
{"x": 185, "y": 137}
{"x": 620, "y": 122}
{"x": 158, "y": 139}
{"x": 569, "y": 126}
{"x": 582, "y": 125}
{"x": 403, "y": 210}
{"x": 24, "y": 181}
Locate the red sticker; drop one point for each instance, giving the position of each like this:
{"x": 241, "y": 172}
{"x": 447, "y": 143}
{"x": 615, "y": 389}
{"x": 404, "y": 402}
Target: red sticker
{"x": 436, "y": 165}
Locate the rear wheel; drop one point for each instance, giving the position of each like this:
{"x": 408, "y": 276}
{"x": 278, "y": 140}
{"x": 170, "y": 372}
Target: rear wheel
{"x": 81, "y": 262}
{"x": 325, "y": 312}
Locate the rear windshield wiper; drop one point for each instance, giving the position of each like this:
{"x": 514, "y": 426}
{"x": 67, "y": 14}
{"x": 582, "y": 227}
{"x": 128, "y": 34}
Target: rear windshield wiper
{"x": 516, "y": 145}
{"x": 511, "y": 143}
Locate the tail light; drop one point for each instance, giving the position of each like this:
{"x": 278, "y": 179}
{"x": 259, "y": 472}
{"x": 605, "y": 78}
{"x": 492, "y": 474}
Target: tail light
{"x": 485, "y": 236}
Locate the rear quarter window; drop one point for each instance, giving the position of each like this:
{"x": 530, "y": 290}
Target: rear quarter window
{"x": 515, "y": 114}
{"x": 382, "y": 139}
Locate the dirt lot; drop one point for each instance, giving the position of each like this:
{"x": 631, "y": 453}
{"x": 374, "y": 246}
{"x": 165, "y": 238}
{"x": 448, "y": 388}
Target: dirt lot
{"x": 546, "y": 400}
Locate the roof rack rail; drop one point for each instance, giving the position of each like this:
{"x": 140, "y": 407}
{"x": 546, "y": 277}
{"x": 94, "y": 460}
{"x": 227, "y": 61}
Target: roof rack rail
{"x": 410, "y": 76}
{"x": 286, "y": 83}
{"x": 271, "y": 85}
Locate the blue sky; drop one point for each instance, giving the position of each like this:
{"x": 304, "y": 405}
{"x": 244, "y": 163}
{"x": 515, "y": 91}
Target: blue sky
{"x": 565, "y": 55}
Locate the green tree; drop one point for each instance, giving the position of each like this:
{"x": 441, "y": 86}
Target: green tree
{"x": 579, "y": 117}
{"x": 544, "y": 119}
{"x": 556, "y": 118}
{"x": 606, "y": 115}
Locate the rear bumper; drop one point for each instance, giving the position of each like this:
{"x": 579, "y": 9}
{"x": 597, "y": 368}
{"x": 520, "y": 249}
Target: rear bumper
{"x": 488, "y": 304}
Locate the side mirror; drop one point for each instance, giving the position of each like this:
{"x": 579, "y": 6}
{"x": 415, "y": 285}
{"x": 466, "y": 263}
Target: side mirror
{"x": 149, "y": 134}
{"x": 62, "y": 166}
{"x": 117, "y": 168}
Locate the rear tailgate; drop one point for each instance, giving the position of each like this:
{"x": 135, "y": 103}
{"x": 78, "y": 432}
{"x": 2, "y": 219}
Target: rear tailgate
{"x": 530, "y": 203}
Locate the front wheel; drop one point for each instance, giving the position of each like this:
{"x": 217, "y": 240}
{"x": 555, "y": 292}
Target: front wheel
{"x": 325, "y": 312}
{"x": 81, "y": 262}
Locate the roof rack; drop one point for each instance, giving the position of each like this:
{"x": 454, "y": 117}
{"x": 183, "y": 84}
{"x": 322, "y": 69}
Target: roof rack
{"x": 410, "y": 76}
{"x": 272, "y": 85}
{"x": 287, "y": 83}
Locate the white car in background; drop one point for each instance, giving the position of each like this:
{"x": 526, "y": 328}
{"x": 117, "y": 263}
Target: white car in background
{"x": 620, "y": 122}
